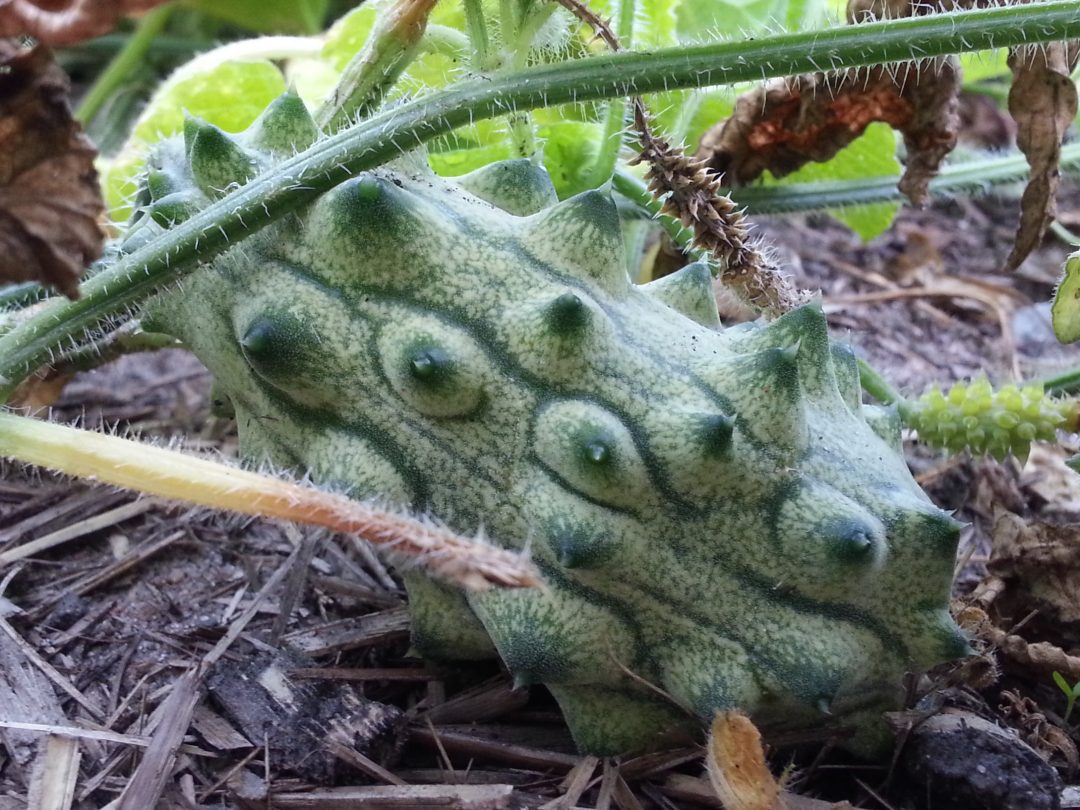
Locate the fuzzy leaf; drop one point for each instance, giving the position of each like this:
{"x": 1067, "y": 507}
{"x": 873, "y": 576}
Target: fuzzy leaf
{"x": 1065, "y": 312}
{"x": 50, "y": 202}
{"x": 1043, "y": 101}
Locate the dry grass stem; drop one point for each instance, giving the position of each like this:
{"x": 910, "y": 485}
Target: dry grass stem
{"x": 470, "y": 563}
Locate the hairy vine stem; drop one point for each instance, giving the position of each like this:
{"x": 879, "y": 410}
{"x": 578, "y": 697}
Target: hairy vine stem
{"x": 134, "y": 277}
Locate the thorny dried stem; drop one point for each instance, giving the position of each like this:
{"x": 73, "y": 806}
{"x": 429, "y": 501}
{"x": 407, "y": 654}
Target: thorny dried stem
{"x": 691, "y": 194}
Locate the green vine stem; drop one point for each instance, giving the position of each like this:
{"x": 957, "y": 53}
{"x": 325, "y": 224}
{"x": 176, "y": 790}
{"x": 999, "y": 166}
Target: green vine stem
{"x": 635, "y": 190}
{"x": 878, "y": 387}
{"x": 969, "y": 175}
{"x": 134, "y": 277}
{"x": 392, "y": 45}
{"x": 126, "y": 61}
{"x": 1067, "y": 382}
{"x": 615, "y": 115}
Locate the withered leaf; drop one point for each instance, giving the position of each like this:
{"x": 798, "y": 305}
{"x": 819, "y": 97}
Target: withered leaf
{"x": 65, "y": 22}
{"x": 1040, "y": 563}
{"x": 50, "y": 203}
{"x": 788, "y": 123}
{"x": 1043, "y": 102}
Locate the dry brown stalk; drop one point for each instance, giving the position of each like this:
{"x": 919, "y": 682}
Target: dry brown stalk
{"x": 1041, "y": 655}
{"x": 691, "y": 194}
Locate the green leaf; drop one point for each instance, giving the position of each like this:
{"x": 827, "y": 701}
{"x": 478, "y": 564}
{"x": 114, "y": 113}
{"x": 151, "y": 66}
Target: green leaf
{"x": 983, "y": 65}
{"x": 1063, "y": 684}
{"x": 1065, "y": 311}
{"x": 570, "y": 150}
{"x": 348, "y": 35}
{"x": 701, "y": 19}
{"x": 656, "y": 23}
{"x": 871, "y": 155}
{"x": 267, "y": 16}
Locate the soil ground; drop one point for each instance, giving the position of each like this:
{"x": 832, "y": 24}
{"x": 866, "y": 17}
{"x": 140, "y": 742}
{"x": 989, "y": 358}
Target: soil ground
{"x": 126, "y": 595}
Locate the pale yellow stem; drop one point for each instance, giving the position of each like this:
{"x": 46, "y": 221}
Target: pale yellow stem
{"x": 179, "y": 476}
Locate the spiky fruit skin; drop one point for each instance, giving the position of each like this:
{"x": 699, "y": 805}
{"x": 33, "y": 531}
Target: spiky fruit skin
{"x": 712, "y": 511}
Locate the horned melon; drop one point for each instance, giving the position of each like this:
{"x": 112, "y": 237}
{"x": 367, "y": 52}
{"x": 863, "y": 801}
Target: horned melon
{"x": 719, "y": 520}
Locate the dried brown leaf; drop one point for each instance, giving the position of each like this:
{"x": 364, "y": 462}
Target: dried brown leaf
{"x": 1043, "y": 102}
{"x": 789, "y": 123}
{"x": 65, "y": 22}
{"x": 1037, "y": 563}
{"x": 736, "y": 765}
{"x": 930, "y": 134}
{"x": 50, "y": 203}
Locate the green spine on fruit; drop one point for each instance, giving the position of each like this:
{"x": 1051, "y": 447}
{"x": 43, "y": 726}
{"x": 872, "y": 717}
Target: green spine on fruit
{"x": 711, "y": 509}
{"x": 974, "y": 416}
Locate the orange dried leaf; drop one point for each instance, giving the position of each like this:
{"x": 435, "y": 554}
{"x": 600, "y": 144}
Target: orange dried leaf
{"x": 789, "y": 123}
{"x": 736, "y": 765}
{"x": 50, "y": 202}
{"x": 1043, "y": 102}
{"x": 65, "y": 22}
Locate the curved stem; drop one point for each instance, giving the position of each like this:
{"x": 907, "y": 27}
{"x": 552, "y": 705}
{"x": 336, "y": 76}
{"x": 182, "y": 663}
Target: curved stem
{"x": 878, "y": 387}
{"x": 374, "y": 141}
{"x": 615, "y": 115}
{"x": 1067, "y": 382}
{"x": 124, "y": 63}
{"x": 969, "y": 175}
{"x": 23, "y": 294}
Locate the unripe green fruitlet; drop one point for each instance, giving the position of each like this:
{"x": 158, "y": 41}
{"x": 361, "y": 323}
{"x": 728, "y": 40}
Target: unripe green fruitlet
{"x": 718, "y": 518}
{"x": 973, "y": 416}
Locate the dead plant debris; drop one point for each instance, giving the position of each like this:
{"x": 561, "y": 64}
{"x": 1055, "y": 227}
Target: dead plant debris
{"x": 788, "y": 123}
{"x": 1043, "y": 102}
{"x": 66, "y": 22}
{"x": 50, "y": 203}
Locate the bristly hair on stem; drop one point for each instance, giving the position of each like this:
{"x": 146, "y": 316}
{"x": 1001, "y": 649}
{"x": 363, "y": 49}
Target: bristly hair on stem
{"x": 469, "y": 563}
{"x": 691, "y": 193}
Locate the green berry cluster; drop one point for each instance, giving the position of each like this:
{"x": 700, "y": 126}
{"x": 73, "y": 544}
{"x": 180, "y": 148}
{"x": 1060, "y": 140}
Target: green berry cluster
{"x": 973, "y": 416}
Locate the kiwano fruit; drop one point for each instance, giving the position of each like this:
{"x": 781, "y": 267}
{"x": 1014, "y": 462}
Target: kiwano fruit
{"x": 719, "y": 520}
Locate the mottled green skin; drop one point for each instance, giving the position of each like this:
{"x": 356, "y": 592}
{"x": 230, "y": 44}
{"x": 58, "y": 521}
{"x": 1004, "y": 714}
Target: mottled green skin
{"x": 710, "y": 508}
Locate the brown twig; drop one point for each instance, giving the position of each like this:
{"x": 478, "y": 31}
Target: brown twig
{"x": 1041, "y": 655}
{"x": 691, "y": 194}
